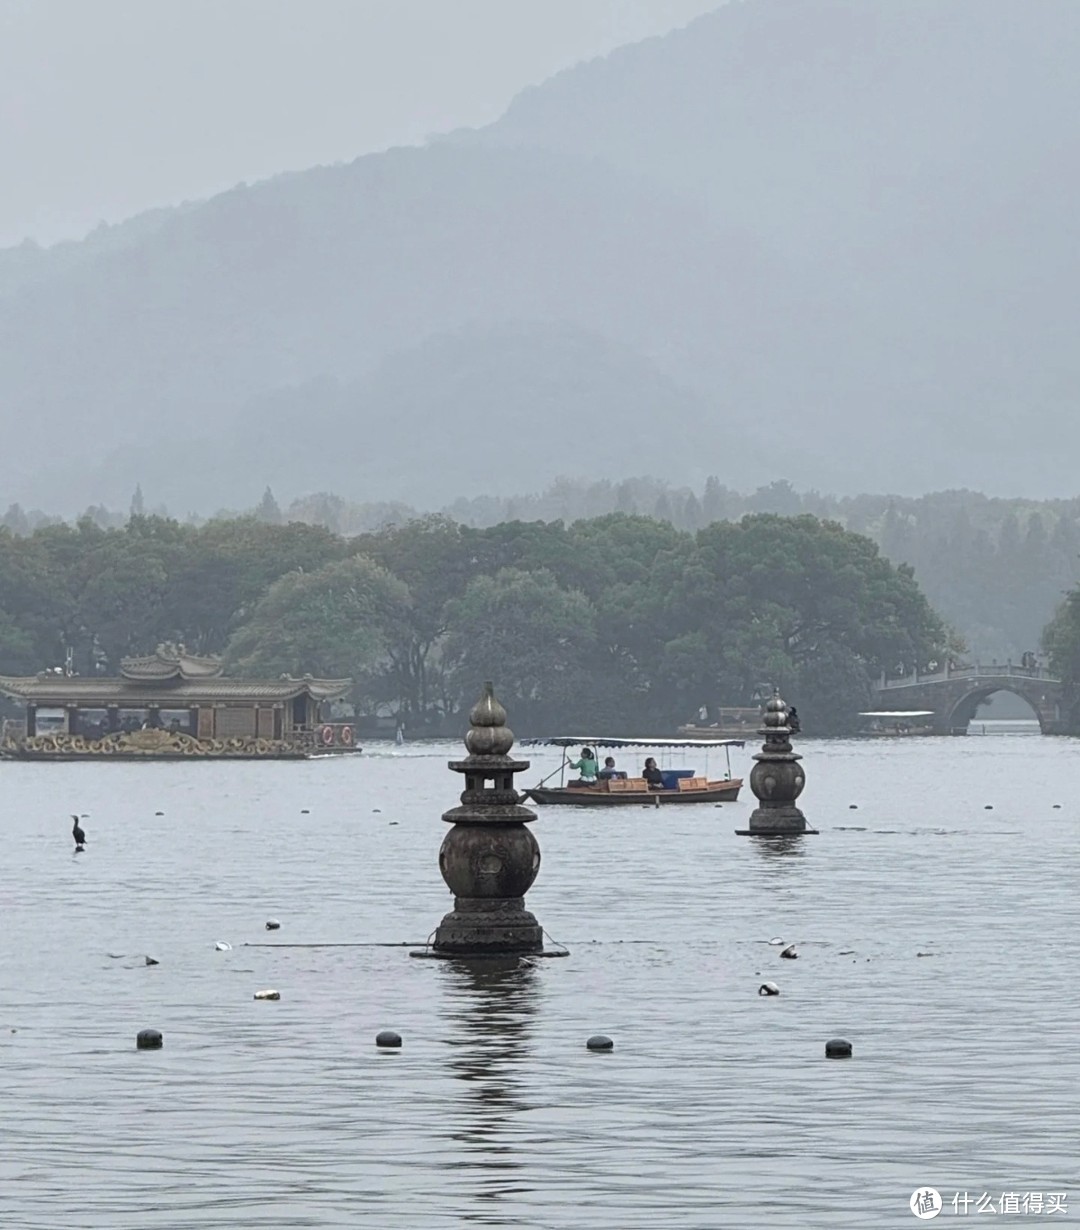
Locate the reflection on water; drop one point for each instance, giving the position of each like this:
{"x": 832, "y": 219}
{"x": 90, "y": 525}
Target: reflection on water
{"x": 930, "y": 934}
{"x": 490, "y": 1006}
{"x": 778, "y": 852}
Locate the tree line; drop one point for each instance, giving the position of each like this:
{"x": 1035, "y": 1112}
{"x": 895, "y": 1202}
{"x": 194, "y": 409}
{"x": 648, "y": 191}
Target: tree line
{"x": 619, "y": 621}
{"x": 1061, "y": 643}
{"x": 994, "y": 568}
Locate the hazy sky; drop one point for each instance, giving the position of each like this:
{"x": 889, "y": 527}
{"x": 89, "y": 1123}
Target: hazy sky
{"x": 108, "y": 107}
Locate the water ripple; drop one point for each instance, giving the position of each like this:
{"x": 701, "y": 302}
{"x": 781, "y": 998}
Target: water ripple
{"x": 716, "y": 1108}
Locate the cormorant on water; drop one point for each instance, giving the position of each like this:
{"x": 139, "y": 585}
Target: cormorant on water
{"x": 79, "y": 835}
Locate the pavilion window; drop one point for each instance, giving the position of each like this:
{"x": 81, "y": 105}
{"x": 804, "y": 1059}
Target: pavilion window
{"x": 176, "y": 720}
{"x": 48, "y": 721}
{"x": 233, "y": 723}
{"x": 90, "y": 723}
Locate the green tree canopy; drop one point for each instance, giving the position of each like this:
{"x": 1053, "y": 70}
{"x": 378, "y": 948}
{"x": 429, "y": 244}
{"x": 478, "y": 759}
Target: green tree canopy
{"x": 336, "y": 622}
{"x": 536, "y": 638}
{"x": 1061, "y": 642}
{"x": 620, "y": 621}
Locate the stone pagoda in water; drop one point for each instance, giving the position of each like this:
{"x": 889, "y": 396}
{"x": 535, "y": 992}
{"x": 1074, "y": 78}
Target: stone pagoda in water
{"x": 777, "y": 779}
{"x": 489, "y": 859}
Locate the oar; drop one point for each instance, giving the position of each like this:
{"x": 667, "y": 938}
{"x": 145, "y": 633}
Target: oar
{"x": 551, "y": 774}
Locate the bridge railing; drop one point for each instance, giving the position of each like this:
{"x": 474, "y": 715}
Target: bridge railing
{"x": 970, "y": 670}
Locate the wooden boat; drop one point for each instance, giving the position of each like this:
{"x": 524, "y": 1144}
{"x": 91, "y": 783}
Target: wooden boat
{"x": 729, "y": 723}
{"x": 893, "y": 723}
{"x": 680, "y": 785}
{"x": 616, "y": 792}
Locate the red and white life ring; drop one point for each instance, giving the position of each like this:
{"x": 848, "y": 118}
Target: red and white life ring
{"x": 326, "y": 734}
{"x": 346, "y": 735}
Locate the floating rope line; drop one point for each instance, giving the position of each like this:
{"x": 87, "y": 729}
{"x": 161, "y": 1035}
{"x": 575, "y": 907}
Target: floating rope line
{"x": 359, "y": 944}
{"x": 565, "y": 951}
{"x": 427, "y": 944}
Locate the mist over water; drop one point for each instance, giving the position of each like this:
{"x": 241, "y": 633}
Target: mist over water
{"x": 717, "y": 1106}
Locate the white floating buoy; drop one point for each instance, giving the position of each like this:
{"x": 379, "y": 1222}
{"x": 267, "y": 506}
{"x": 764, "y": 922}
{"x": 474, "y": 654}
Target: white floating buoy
{"x": 268, "y": 994}
{"x": 768, "y": 988}
{"x": 221, "y": 946}
{"x": 776, "y": 942}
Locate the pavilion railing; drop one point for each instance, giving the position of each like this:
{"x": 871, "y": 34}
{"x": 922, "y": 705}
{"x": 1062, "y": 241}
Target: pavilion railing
{"x": 977, "y": 670}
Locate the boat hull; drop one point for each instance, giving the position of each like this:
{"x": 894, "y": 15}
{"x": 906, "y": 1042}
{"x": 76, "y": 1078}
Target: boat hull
{"x": 592, "y": 796}
{"x": 163, "y": 745}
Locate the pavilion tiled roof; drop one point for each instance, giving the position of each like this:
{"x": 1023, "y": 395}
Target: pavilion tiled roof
{"x": 171, "y": 662}
{"x": 171, "y": 691}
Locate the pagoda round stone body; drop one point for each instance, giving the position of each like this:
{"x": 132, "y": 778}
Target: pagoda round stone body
{"x": 777, "y": 779}
{"x": 494, "y": 860}
{"x": 489, "y": 859}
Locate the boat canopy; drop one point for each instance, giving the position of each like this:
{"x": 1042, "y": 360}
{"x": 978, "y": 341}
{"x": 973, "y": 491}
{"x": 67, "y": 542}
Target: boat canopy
{"x": 608, "y": 741}
{"x": 900, "y": 713}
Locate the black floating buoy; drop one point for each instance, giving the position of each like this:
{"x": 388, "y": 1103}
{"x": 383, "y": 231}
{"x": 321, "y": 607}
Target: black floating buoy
{"x": 387, "y": 1038}
{"x": 148, "y": 1040}
{"x": 600, "y": 1042}
{"x": 376, "y": 811}
{"x": 1057, "y": 807}
{"x": 768, "y": 988}
{"x": 304, "y": 811}
{"x": 151, "y": 961}
{"x": 790, "y": 952}
{"x": 272, "y": 924}
{"x": 837, "y": 1048}
{"x": 988, "y": 807}
{"x": 853, "y": 807}
{"x": 159, "y": 813}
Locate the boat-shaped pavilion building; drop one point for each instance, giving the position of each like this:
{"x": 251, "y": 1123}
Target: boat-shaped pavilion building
{"x": 172, "y": 704}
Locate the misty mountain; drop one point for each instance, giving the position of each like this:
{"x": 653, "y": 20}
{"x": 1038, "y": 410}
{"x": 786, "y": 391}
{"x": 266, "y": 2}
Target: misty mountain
{"x": 495, "y": 409}
{"x": 827, "y": 239}
{"x": 324, "y": 274}
{"x": 918, "y": 163}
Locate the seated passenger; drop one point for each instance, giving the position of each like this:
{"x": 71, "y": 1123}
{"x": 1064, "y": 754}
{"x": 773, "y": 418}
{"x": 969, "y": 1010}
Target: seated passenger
{"x": 586, "y": 766}
{"x": 609, "y": 768}
{"x": 652, "y": 775}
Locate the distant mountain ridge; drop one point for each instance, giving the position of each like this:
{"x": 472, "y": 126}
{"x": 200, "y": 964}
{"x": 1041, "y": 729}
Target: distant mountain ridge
{"x": 498, "y": 408}
{"x": 822, "y": 239}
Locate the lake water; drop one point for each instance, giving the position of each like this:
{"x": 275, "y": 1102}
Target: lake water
{"x": 717, "y": 1107}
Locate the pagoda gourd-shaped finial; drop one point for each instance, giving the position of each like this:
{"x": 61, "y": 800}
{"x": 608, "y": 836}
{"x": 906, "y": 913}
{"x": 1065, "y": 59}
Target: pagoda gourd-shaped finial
{"x": 777, "y": 779}
{"x": 489, "y": 859}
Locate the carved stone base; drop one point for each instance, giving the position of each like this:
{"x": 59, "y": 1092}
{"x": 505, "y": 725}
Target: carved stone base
{"x": 777, "y": 821}
{"x": 488, "y": 925}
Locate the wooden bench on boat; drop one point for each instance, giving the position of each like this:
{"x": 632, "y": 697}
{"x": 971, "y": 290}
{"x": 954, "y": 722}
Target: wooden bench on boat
{"x": 693, "y": 783}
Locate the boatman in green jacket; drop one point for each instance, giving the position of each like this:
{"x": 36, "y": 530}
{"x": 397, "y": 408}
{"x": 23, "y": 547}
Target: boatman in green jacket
{"x": 587, "y": 766}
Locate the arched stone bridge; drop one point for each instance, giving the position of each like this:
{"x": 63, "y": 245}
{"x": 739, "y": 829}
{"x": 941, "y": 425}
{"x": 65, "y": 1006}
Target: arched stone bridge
{"x": 954, "y": 694}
